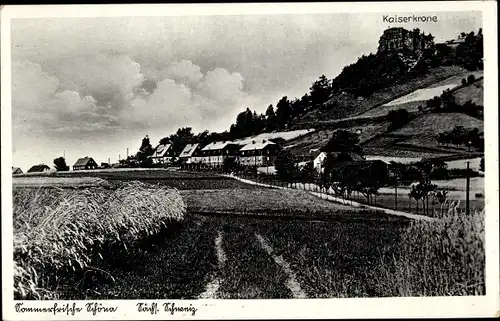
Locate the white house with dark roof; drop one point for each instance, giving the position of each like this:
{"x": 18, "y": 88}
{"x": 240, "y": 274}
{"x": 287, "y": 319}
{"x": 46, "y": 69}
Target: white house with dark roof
{"x": 258, "y": 153}
{"x": 318, "y": 160}
{"x": 85, "y": 163}
{"x": 163, "y": 154}
{"x": 216, "y": 153}
{"x": 191, "y": 154}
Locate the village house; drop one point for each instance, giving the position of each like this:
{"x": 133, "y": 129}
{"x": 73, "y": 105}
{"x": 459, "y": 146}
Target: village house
{"x": 39, "y": 168}
{"x": 318, "y": 160}
{"x": 191, "y": 154}
{"x": 85, "y": 163}
{"x": 258, "y": 153}
{"x": 216, "y": 153}
{"x": 16, "y": 170}
{"x": 163, "y": 154}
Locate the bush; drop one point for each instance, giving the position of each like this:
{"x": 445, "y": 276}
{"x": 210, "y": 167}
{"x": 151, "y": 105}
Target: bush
{"x": 471, "y": 79}
{"x": 58, "y": 232}
{"x": 438, "y": 258}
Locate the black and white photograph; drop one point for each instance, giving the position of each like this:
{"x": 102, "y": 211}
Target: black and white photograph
{"x": 163, "y": 160}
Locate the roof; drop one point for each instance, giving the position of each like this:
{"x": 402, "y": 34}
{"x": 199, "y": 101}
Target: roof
{"x": 161, "y": 150}
{"x": 189, "y": 150}
{"x": 354, "y": 156}
{"x": 38, "y": 168}
{"x": 316, "y": 153}
{"x": 259, "y": 145}
{"x": 15, "y": 169}
{"x": 83, "y": 161}
{"x": 217, "y": 145}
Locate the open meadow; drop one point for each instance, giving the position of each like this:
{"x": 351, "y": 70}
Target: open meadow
{"x": 141, "y": 239}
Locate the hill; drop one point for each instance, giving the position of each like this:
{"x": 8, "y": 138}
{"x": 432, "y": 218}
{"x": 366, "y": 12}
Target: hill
{"x": 347, "y": 104}
{"x": 473, "y": 92}
{"x": 419, "y": 135}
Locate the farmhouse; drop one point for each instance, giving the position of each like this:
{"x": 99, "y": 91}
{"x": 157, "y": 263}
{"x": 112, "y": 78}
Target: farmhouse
{"x": 216, "y": 153}
{"x": 258, "y": 153}
{"x": 318, "y": 159}
{"x": 163, "y": 154}
{"x": 85, "y": 163}
{"x": 191, "y": 154}
{"x": 16, "y": 170}
{"x": 39, "y": 168}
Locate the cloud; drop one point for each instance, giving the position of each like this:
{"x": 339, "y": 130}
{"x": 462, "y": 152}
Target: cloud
{"x": 185, "y": 72}
{"x": 30, "y": 86}
{"x": 110, "y": 78}
{"x": 38, "y": 106}
{"x": 172, "y": 104}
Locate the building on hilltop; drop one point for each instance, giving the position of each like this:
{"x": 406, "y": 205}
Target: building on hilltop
{"x": 214, "y": 154}
{"x": 39, "y": 168}
{"x": 85, "y": 163}
{"x": 401, "y": 40}
{"x": 258, "y": 153}
{"x": 16, "y": 170}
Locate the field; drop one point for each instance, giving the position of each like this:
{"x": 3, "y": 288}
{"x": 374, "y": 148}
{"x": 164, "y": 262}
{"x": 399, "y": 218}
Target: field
{"x": 474, "y": 92}
{"x": 350, "y": 105}
{"x": 233, "y": 242}
{"x": 419, "y": 135}
{"x": 418, "y": 97}
{"x": 285, "y": 135}
{"x": 368, "y": 130}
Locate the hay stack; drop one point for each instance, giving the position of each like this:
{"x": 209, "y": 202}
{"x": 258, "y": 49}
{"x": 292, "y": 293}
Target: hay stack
{"x": 64, "y": 229}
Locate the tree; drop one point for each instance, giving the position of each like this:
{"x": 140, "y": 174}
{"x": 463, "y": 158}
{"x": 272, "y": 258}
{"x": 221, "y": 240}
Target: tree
{"x": 270, "y": 118}
{"x": 441, "y": 196}
{"x": 398, "y": 118}
{"x": 145, "y": 152}
{"x": 416, "y": 193}
{"x": 308, "y": 173}
{"x": 470, "y": 79}
{"x": 60, "y": 164}
{"x": 343, "y": 141}
{"x": 285, "y": 165}
{"x": 320, "y": 90}
{"x": 481, "y": 164}
{"x": 283, "y": 112}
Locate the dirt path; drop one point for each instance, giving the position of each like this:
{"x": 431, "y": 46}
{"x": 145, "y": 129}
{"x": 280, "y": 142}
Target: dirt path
{"x": 213, "y": 286}
{"x": 291, "y": 283}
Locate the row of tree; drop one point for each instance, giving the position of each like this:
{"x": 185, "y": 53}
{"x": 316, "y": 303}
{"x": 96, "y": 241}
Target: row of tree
{"x": 461, "y": 136}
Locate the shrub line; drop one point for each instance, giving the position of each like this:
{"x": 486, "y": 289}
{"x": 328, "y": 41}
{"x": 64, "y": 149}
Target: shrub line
{"x": 344, "y": 202}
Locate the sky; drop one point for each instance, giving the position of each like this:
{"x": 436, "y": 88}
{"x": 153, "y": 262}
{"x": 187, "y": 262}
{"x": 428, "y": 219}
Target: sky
{"x": 96, "y": 86}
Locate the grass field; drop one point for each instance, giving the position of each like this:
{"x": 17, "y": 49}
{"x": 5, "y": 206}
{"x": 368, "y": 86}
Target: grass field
{"x": 419, "y": 136}
{"x": 286, "y": 135}
{"x": 175, "y": 179}
{"x": 318, "y": 139}
{"x": 418, "y": 97}
{"x": 474, "y": 92}
{"x": 275, "y": 203}
{"x": 350, "y": 105}
{"x": 251, "y": 243}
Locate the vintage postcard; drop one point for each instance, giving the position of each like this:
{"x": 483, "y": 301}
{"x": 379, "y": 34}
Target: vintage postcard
{"x": 300, "y": 160}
